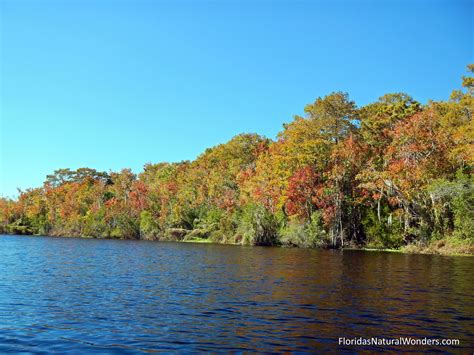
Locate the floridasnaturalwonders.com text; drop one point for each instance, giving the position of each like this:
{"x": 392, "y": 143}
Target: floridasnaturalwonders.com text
{"x": 401, "y": 341}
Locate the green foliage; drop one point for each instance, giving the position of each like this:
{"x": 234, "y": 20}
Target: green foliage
{"x": 305, "y": 235}
{"x": 149, "y": 227}
{"x": 316, "y": 232}
{"x": 386, "y": 233}
{"x": 226, "y": 229}
{"x": 453, "y": 202}
{"x": 63, "y": 176}
{"x": 462, "y": 204}
{"x": 94, "y": 224}
{"x": 387, "y": 174}
{"x": 258, "y": 226}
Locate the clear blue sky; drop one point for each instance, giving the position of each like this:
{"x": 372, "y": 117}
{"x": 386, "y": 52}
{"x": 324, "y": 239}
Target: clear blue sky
{"x": 110, "y": 84}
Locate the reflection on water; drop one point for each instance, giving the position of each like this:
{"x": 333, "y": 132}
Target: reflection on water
{"x": 68, "y": 294}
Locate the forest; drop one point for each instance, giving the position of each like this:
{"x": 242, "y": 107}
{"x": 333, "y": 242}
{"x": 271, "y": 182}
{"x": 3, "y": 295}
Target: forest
{"x": 392, "y": 174}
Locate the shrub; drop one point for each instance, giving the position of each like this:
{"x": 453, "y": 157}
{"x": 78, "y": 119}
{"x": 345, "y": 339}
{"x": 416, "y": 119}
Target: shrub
{"x": 305, "y": 235}
{"x": 258, "y": 226}
{"x": 149, "y": 227}
{"x": 386, "y": 233}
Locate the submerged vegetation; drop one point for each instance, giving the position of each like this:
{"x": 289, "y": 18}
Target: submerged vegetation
{"x": 392, "y": 174}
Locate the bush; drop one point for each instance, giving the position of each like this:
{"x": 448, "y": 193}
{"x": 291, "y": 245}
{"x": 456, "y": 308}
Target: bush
{"x": 316, "y": 231}
{"x": 227, "y": 227}
{"x": 149, "y": 227}
{"x": 454, "y": 201}
{"x": 294, "y": 234}
{"x": 462, "y": 205}
{"x": 305, "y": 235}
{"x": 387, "y": 233}
{"x": 258, "y": 226}
{"x": 209, "y": 222}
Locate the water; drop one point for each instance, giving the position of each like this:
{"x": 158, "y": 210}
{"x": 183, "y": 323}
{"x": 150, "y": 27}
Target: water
{"x": 86, "y": 295}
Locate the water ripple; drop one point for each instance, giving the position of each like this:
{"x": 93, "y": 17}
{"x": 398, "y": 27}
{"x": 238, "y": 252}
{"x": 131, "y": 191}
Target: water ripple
{"x": 73, "y": 295}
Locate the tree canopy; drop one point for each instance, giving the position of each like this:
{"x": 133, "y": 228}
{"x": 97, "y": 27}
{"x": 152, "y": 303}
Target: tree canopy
{"x": 387, "y": 174}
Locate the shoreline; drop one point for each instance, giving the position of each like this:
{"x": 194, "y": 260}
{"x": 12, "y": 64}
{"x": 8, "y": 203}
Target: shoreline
{"x": 407, "y": 249}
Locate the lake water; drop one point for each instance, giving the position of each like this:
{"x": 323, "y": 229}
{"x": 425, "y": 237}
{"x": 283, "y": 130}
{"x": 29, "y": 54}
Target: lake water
{"x": 87, "y": 295}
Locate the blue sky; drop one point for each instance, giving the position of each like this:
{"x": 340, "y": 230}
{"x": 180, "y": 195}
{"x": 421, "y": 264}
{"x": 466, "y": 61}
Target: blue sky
{"x": 110, "y": 84}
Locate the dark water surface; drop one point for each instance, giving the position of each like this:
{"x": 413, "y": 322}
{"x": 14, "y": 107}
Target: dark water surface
{"x": 84, "y": 295}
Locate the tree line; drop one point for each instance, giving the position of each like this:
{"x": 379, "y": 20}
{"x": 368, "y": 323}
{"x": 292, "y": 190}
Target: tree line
{"x": 387, "y": 174}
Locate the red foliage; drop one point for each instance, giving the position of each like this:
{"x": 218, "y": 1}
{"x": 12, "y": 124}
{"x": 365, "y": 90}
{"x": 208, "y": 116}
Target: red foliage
{"x": 303, "y": 190}
{"x": 138, "y": 196}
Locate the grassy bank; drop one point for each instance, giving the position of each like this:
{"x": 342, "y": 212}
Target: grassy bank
{"x": 198, "y": 240}
{"x": 447, "y": 246}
